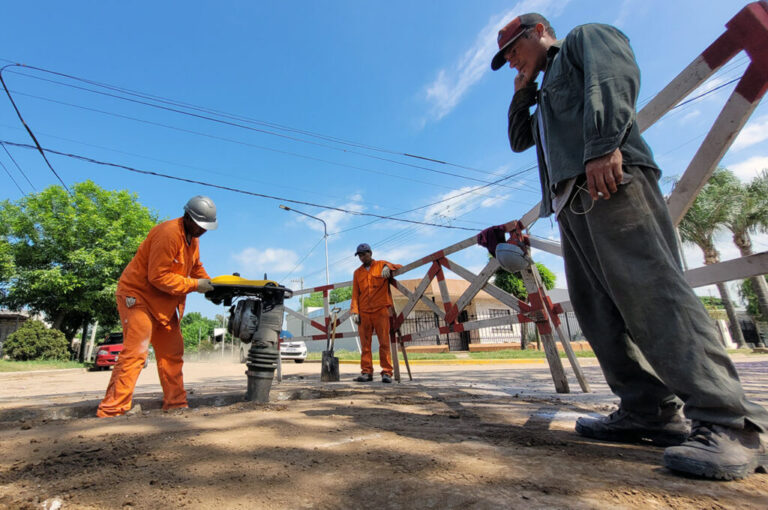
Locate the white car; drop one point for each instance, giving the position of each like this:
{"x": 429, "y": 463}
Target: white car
{"x": 293, "y": 349}
{"x": 289, "y": 349}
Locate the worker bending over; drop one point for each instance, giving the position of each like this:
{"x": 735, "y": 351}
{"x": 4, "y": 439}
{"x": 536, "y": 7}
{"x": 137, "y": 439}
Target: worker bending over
{"x": 150, "y": 300}
{"x": 371, "y": 300}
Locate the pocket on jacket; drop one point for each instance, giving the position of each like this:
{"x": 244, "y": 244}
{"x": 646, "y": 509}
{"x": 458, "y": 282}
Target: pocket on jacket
{"x": 562, "y": 95}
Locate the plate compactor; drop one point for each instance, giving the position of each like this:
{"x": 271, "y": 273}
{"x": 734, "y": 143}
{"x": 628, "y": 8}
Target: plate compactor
{"x": 255, "y": 317}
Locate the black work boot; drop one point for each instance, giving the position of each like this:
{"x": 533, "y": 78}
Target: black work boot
{"x": 626, "y": 427}
{"x": 364, "y": 378}
{"x": 714, "y": 451}
{"x": 386, "y": 378}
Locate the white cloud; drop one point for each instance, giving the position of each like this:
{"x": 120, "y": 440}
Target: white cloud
{"x": 689, "y": 116}
{"x": 747, "y": 170}
{"x": 460, "y": 201}
{"x": 334, "y": 219}
{"x": 754, "y": 132}
{"x": 623, "y": 13}
{"x": 453, "y": 82}
{"x": 254, "y": 262}
{"x": 402, "y": 254}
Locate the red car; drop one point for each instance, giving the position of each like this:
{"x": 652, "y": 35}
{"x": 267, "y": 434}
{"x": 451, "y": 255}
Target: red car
{"x": 109, "y": 350}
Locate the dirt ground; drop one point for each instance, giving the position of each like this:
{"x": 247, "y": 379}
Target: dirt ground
{"x": 459, "y": 436}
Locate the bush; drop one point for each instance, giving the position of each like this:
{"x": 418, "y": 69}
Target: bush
{"x": 33, "y": 341}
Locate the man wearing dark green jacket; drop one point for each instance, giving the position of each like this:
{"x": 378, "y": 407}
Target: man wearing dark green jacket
{"x": 652, "y": 336}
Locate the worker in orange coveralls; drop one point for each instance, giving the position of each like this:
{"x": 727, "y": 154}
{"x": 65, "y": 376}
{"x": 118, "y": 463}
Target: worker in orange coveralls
{"x": 150, "y": 300}
{"x": 371, "y": 301}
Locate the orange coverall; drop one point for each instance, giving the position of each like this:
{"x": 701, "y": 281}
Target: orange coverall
{"x": 159, "y": 277}
{"x": 371, "y": 299}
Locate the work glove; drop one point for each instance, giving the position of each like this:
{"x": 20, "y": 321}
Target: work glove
{"x": 385, "y": 272}
{"x": 355, "y": 318}
{"x": 204, "y": 285}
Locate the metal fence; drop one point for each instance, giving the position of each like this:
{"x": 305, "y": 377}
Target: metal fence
{"x": 509, "y": 333}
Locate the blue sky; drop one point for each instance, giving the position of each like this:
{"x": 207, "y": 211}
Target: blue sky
{"x": 393, "y": 77}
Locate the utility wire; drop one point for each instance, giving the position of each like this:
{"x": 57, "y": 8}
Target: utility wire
{"x": 37, "y": 144}
{"x": 11, "y": 177}
{"x": 229, "y": 188}
{"x": 176, "y": 103}
{"x": 289, "y": 273}
{"x": 18, "y": 167}
{"x": 710, "y": 91}
{"x": 243, "y": 126}
{"x": 452, "y": 197}
{"x": 246, "y": 144}
{"x": 191, "y": 167}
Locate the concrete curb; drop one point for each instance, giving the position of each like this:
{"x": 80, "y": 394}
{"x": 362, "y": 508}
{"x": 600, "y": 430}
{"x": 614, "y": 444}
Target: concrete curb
{"x": 453, "y": 361}
{"x": 49, "y": 371}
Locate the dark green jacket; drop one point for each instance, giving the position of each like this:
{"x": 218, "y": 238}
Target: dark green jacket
{"x": 587, "y": 102}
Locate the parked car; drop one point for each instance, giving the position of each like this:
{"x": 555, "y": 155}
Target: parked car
{"x": 297, "y": 351}
{"x": 108, "y": 351}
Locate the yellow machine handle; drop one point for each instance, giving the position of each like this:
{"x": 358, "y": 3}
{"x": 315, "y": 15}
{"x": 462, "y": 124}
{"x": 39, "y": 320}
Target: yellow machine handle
{"x": 229, "y": 279}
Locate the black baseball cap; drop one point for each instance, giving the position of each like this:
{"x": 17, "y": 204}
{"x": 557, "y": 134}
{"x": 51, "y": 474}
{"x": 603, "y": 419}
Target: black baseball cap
{"x": 362, "y": 248}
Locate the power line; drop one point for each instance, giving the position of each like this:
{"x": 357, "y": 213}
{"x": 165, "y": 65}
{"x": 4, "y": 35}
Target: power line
{"x": 240, "y": 142}
{"x": 710, "y": 91}
{"x": 11, "y": 177}
{"x": 235, "y": 124}
{"x": 453, "y": 197}
{"x": 37, "y": 144}
{"x": 185, "y": 165}
{"x": 289, "y": 273}
{"x": 18, "y": 167}
{"x": 229, "y": 188}
{"x": 243, "y": 118}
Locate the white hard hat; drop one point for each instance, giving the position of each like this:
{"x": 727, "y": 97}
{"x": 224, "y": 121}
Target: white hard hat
{"x": 203, "y": 211}
{"x": 511, "y": 257}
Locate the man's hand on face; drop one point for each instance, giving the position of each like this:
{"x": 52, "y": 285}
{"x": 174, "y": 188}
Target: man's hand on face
{"x": 204, "y": 285}
{"x": 521, "y": 80}
{"x": 604, "y": 175}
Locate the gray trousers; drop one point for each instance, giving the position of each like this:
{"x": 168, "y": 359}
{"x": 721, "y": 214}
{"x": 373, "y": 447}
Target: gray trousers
{"x": 654, "y": 340}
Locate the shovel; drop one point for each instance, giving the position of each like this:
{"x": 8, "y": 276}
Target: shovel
{"x": 329, "y": 366}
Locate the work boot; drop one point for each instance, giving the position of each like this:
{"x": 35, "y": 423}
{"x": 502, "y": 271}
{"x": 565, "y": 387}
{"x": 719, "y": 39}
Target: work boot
{"x": 386, "y": 378}
{"x": 723, "y": 453}
{"x": 626, "y": 427}
{"x": 364, "y": 378}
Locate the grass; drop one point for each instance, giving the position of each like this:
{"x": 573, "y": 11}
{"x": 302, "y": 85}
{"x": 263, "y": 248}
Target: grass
{"x": 526, "y": 354}
{"x": 355, "y": 356}
{"x": 23, "y": 366}
{"x": 504, "y": 354}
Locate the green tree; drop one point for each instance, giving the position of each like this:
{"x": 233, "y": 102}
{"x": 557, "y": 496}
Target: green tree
{"x": 339, "y": 295}
{"x": 748, "y": 294}
{"x": 68, "y": 252}
{"x": 708, "y": 214}
{"x": 749, "y": 216}
{"x": 315, "y": 299}
{"x": 513, "y": 284}
{"x": 196, "y": 329}
{"x": 33, "y": 341}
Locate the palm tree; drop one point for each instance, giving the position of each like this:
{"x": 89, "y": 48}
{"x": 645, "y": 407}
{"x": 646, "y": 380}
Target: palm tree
{"x": 750, "y": 216}
{"x": 706, "y": 216}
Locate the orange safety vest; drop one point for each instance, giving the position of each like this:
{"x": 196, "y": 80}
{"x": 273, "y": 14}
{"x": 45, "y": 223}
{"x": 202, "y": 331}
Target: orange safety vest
{"x": 370, "y": 291}
{"x": 164, "y": 270}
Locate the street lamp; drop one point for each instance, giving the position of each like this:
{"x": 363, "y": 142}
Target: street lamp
{"x": 325, "y": 236}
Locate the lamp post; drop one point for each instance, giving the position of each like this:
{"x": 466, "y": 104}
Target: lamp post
{"x": 325, "y": 237}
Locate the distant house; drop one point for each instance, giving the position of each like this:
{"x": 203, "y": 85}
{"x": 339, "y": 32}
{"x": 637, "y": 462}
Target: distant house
{"x": 483, "y": 306}
{"x": 10, "y": 322}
